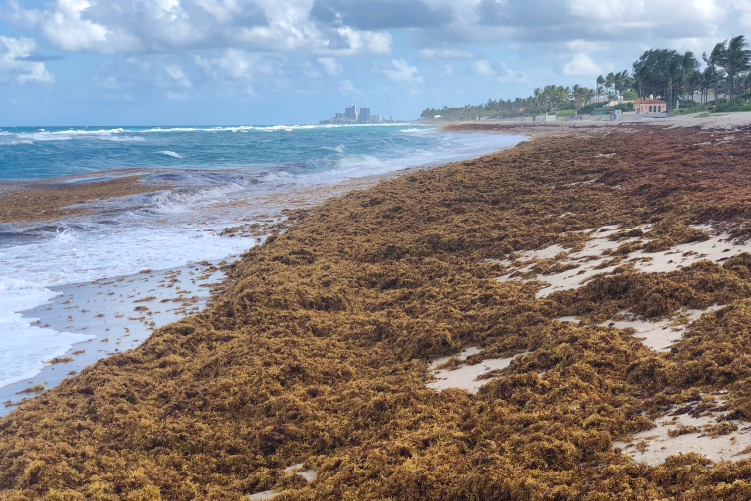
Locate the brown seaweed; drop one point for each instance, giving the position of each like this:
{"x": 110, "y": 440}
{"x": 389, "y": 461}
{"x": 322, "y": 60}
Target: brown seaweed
{"x": 315, "y": 352}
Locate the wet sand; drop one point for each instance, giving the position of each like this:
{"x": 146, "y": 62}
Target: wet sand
{"x": 119, "y": 312}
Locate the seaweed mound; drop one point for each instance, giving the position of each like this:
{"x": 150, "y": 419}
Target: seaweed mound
{"x": 316, "y": 352}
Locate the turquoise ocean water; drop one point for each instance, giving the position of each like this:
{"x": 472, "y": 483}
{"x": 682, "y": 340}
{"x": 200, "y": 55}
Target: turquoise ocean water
{"x": 45, "y": 152}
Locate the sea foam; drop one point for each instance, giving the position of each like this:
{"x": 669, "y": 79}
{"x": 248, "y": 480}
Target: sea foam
{"x": 77, "y": 257}
{"x": 170, "y": 153}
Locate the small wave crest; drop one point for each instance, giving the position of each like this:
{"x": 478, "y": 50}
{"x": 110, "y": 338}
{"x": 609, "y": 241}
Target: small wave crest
{"x": 64, "y": 234}
{"x": 356, "y": 160}
{"x": 337, "y": 149}
{"x": 170, "y": 153}
{"x": 183, "y": 200}
{"x": 123, "y": 139}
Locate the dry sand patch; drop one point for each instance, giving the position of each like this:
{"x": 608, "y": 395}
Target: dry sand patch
{"x": 465, "y": 376}
{"x": 685, "y": 429}
{"x": 662, "y": 334}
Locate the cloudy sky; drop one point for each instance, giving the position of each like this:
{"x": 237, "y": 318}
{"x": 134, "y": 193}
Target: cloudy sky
{"x": 148, "y": 62}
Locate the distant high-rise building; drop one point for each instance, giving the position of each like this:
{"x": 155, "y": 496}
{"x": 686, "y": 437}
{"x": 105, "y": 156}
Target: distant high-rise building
{"x": 393, "y": 119}
{"x": 378, "y": 118}
{"x": 338, "y": 115}
{"x": 350, "y": 112}
{"x": 364, "y": 115}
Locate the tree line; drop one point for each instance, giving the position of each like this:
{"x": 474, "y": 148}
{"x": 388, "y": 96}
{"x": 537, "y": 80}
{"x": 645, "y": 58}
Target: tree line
{"x": 661, "y": 73}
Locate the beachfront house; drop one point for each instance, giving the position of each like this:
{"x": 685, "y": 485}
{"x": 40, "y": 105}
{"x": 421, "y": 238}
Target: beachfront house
{"x": 646, "y": 105}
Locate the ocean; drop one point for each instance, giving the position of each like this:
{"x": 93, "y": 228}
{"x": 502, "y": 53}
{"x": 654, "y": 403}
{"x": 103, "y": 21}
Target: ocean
{"x": 213, "y": 178}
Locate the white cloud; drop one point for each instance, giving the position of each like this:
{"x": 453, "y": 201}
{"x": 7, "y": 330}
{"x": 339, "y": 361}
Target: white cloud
{"x": 400, "y": 71}
{"x": 69, "y": 31}
{"x": 586, "y": 46}
{"x": 659, "y": 12}
{"x": 332, "y": 65}
{"x": 172, "y": 25}
{"x": 581, "y": 65}
{"x": 744, "y": 8}
{"x": 237, "y": 64}
{"x": 177, "y": 96}
{"x": 14, "y": 67}
{"x": 109, "y": 83}
{"x": 482, "y": 67}
{"x": 178, "y": 75}
{"x": 509, "y": 75}
{"x": 357, "y": 42}
{"x": 444, "y": 54}
{"x": 347, "y": 86}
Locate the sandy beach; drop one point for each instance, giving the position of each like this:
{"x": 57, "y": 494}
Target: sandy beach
{"x": 567, "y": 317}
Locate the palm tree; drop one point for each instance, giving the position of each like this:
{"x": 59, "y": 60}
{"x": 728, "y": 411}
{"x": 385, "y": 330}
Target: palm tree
{"x": 600, "y": 83}
{"x": 621, "y": 82}
{"x": 609, "y": 82}
{"x": 694, "y": 83}
{"x": 734, "y": 59}
{"x": 689, "y": 66}
{"x": 712, "y": 61}
{"x": 674, "y": 75}
{"x": 708, "y": 79}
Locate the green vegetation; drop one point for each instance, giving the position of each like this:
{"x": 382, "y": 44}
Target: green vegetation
{"x": 659, "y": 73}
{"x": 718, "y": 106}
{"x": 549, "y": 99}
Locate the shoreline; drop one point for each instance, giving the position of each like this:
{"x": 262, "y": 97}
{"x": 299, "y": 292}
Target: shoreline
{"x": 317, "y": 356}
{"x": 70, "y": 195}
{"x": 121, "y": 186}
{"x": 108, "y": 308}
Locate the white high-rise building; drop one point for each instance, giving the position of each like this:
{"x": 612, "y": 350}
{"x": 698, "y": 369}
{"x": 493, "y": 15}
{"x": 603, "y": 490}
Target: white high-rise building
{"x": 350, "y": 113}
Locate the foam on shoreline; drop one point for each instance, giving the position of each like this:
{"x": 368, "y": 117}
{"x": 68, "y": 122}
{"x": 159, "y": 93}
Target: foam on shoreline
{"x": 91, "y": 320}
{"x": 71, "y": 257}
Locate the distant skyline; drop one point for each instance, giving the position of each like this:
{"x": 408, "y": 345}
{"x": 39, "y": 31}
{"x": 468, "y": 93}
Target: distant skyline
{"x": 180, "y": 62}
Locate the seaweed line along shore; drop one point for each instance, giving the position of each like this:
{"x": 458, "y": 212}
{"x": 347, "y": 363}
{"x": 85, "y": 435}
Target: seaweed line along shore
{"x": 564, "y": 319}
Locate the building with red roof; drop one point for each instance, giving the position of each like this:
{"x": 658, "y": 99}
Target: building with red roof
{"x": 647, "y": 105}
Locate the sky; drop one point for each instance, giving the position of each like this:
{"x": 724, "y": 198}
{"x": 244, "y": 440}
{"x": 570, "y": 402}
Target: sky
{"x": 227, "y": 62}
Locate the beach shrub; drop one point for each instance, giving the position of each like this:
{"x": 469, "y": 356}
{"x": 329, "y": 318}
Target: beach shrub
{"x": 697, "y": 108}
{"x": 725, "y": 106}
